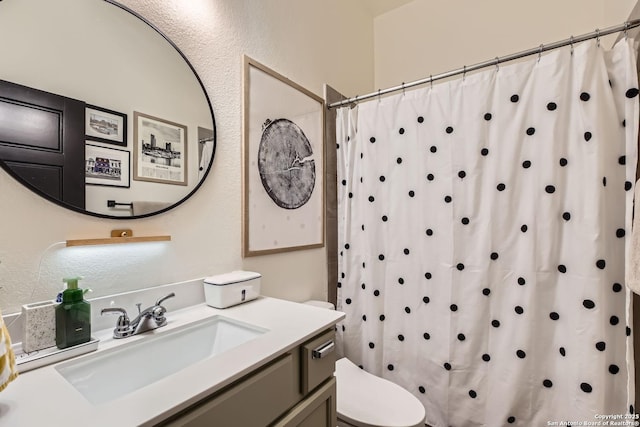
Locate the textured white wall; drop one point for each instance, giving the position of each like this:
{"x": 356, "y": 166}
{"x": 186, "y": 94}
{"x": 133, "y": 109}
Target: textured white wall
{"x": 443, "y": 36}
{"x": 311, "y": 42}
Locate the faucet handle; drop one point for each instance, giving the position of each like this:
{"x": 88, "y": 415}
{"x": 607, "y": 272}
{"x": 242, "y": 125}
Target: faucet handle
{"x": 164, "y": 298}
{"x": 122, "y": 311}
{"x": 158, "y": 314}
{"x": 123, "y": 326}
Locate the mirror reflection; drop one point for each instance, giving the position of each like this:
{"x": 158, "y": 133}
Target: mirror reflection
{"x": 98, "y": 111}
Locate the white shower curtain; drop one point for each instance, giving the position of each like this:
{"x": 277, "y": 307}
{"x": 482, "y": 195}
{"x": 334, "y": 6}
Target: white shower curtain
{"x": 482, "y": 227}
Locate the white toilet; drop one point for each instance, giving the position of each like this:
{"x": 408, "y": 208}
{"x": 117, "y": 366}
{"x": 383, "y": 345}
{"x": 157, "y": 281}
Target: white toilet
{"x": 365, "y": 400}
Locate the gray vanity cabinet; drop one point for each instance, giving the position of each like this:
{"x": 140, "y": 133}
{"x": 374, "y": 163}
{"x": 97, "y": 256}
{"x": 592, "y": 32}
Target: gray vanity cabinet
{"x": 296, "y": 389}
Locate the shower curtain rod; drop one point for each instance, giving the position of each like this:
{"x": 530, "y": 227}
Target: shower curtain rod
{"x": 496, "y": 61}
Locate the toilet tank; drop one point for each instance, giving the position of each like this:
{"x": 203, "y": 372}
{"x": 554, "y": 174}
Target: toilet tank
{"x": 321, "y": 304}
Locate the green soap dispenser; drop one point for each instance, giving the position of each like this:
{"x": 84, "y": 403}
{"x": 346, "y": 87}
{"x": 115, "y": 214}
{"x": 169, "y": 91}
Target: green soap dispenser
{"x": 73, "y": 316}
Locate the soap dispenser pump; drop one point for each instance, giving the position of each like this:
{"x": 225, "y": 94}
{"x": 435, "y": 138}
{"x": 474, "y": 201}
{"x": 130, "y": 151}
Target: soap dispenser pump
{"x": 73, "y": 316}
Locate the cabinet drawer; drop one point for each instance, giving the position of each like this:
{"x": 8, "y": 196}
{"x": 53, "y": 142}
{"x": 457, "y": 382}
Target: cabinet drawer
{"x": 318, "y": 361}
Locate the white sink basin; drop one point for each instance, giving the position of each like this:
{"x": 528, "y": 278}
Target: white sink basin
{"x": 107, "y": 375}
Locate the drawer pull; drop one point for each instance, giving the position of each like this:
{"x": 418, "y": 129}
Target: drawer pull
{"x": 323, "y": 350}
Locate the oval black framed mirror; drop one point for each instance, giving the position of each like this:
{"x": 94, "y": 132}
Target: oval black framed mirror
{"x": 100, "y": 112}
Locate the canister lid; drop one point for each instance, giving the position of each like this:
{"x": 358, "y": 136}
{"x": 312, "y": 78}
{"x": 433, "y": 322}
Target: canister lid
{"x": 231, "y": 277}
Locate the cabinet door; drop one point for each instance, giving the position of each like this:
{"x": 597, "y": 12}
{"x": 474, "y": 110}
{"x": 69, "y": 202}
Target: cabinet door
{"x": 318, "y": 410}
{"x": 254, "y": 402}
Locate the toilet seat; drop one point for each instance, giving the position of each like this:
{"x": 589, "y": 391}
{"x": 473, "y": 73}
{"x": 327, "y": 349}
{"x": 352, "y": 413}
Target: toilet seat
{"x": 365, "y": 400}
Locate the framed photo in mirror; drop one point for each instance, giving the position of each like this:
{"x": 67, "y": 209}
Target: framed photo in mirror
{"x": 107, "y": 166}
{"x": 160, "y": 150}
{"x": 283, "y": 163}
{"x": 107, "y": 126}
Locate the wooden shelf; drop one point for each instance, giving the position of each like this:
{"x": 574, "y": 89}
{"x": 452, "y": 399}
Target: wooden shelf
{"x": 118, "y": 237}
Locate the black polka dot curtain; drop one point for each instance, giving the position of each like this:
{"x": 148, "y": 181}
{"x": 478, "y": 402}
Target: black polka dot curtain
{"x": 482, "y": 229}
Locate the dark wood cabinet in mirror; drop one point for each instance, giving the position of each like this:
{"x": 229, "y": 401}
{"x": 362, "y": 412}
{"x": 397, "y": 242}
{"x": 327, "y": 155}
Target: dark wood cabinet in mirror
{"x": 99, "y": 111}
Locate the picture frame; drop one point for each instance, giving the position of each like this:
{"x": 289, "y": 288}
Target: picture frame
{"x": 160, "y": 150}
{"x": 283, "y": 163}
{"x": 110, "y": 167}
{"x": 106, "y": 126}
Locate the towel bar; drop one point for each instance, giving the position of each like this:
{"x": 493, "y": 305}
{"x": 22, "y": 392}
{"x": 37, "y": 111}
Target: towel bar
{"x": 113, "y": 204}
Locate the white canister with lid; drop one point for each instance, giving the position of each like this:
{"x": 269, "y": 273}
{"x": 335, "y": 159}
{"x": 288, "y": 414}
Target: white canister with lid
{"x": 228, "y": 289}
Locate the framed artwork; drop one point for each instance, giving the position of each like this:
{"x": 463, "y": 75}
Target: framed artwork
{"x": 283, "y": 163}
{"x": 107, "y": 166}
{"x": 107, "y": 126}
{"x": 160, "y": 150}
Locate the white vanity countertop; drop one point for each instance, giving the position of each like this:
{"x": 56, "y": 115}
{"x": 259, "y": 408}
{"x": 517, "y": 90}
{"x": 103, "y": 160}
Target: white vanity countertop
{"x": 42, "y": 397}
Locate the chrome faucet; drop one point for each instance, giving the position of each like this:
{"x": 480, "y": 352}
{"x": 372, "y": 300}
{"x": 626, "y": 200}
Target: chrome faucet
{"x": 150, "y": 318}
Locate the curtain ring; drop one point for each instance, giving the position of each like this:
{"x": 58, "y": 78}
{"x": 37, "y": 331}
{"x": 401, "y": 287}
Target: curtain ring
{"x": 540, "y": 51}
{"x": 626, "y": 30}
{"x": 497, "y": 64}
{"x": 431, "y": 80}
{"x": 403, "y": 93}
{"x": 571, "y": 42}
{"x": 598, "y": 37}
{"x": 378, "y": 95}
